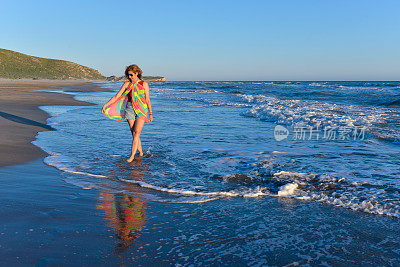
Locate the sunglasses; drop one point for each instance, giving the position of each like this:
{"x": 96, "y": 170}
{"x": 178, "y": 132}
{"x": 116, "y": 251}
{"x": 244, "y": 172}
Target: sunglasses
{"x": 130, "y": 75}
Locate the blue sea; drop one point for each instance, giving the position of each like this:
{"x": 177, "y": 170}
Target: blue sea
{"x": 246, "y": 172}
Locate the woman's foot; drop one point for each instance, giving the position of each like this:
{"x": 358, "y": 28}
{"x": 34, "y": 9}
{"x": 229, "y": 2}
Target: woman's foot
{"x": 141, "y": 154}
{"x": 130, "y": 159}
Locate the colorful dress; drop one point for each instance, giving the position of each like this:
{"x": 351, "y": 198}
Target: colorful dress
{"x": 139, "y": 102}
{"x": 116, "y": 110}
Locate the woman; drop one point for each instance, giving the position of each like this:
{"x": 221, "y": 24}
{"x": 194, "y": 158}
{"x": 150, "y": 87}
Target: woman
{"x": 137, "y": 108}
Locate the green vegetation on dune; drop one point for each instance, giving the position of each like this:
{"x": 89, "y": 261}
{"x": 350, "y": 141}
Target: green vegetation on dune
{"x": 14, "y": 65}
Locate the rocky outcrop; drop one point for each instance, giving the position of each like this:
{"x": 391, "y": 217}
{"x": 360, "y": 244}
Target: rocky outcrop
{"x": 145, "y": 78}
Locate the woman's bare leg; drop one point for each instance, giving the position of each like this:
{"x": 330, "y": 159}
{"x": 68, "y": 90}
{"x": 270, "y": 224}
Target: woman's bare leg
{"x": 140, "y": 148}
{"x": 131, "y": 126}
{"x": 138, "y": 126}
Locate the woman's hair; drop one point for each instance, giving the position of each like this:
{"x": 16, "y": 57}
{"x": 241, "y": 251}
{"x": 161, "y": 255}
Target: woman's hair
{"x": 135, "y": 69}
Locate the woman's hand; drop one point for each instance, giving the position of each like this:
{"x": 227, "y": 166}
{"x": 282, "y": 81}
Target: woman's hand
{"x": 103, "y": 109}
{"x": 151, "y": 118}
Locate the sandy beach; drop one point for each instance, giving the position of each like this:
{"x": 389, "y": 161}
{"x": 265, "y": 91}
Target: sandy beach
{"x": 21, "y": 119}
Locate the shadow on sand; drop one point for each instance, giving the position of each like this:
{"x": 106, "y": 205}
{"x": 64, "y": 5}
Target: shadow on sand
{"x": 23, "y": 120}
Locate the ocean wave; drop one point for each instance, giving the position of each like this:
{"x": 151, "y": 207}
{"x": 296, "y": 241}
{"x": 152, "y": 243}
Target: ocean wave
{"x": 295, "y": 189}
{"x": 67, "y": 164}
{"x": 302, "y": 112}
{"x": 242, "y": 192}
{"x": 324, "y": 188}
{"x": 339, "y": 192}
{"x": 314, "y": 113}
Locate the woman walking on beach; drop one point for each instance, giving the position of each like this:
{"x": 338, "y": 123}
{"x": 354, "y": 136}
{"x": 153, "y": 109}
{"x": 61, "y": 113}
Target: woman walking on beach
{"x": 138, "y": 106}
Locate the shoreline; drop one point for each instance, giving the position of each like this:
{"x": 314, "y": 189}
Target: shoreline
{"x": 22, "y": 118}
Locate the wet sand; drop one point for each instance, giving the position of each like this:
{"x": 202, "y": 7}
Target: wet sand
{"x": 47, "y": 222}
{"x": 21, "y": 119}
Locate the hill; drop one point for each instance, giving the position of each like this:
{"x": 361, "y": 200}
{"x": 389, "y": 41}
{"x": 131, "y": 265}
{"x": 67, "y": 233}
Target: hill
{"x": 14, "y": 65}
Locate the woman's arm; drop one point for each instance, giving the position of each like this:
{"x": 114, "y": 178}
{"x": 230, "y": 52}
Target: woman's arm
{"x": 147, "y": 95}
{"x": 120, "y": 92}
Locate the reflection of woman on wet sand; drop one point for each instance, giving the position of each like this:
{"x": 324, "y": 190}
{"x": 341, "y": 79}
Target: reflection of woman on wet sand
{"x": 126, "y": 214}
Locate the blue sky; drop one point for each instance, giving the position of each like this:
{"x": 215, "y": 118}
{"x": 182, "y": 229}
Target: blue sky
{"x": 213, "y": 40}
